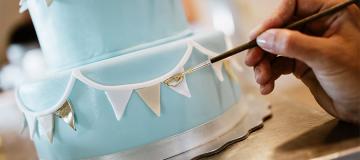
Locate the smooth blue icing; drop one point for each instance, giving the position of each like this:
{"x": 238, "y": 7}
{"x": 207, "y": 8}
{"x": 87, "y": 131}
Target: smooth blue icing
{"x": 98, "y": 131}
{"x": 154, "y": 63}
{"x": 33, "y": 94}
{"x": 77, "y": 32}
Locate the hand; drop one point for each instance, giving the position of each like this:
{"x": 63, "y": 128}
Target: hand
{"x": 324, "y": 54}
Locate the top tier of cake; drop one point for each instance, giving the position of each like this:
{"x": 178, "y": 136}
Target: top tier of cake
{"x": 77, "y": 32}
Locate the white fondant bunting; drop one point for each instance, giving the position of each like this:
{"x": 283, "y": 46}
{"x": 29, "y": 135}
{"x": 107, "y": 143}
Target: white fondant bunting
{"x": 23, "y": 6}
{"x": 24, "y": 124}
{"x": 230, "y": 71}
{"x": 46, "y": 127}
{"x": 151, "y": 96}
{"x": 31, "y": 122}
{"x": 182, "y": 88}
{"x": 48, "y": 2}
{"x": 228, "y": 42}
{"x": 120, "y": 95}
{"x": 235, "y": 64}
{"x": 203, "y": 50}
{"x": 217, "y": 67}
{"x": 119, "y": 101}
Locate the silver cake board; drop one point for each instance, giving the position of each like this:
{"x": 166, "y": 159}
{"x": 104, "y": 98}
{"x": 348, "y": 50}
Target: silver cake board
{"x": 207, "y": 139}
{"x": 258, "y": 112}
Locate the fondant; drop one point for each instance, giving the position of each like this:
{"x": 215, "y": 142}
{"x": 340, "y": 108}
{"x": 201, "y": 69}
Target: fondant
{"x": 86, "y": 31}
{"x": 100, "y": 48}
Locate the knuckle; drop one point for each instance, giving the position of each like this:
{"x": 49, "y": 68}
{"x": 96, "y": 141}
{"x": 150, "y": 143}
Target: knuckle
{"x": 287, "y": 41}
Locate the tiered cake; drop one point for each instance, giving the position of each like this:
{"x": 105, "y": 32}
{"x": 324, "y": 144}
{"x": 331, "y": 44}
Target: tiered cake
{"x": 105, "y": 97}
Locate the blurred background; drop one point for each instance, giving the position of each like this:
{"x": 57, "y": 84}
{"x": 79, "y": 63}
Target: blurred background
{"x": 21, "y": 59}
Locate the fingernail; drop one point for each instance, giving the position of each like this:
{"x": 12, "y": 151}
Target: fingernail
{"x": 266, "y": 41}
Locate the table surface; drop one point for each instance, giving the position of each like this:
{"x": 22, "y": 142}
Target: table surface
{"x": 298, "y": 129}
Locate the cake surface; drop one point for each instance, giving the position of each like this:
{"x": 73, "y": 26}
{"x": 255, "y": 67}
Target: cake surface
{"x": 74, "y": 33}
{"x": 94, "y": 67}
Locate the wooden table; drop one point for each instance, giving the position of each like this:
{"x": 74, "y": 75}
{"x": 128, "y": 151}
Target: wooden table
{"x": 298, "y": 129}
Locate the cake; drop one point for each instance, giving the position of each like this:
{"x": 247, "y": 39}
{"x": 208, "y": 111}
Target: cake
{"x": 105, "y": 97}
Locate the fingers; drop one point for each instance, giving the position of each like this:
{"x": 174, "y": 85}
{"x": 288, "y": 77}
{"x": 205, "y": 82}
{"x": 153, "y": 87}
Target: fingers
{"x": 300, "y": 69}
{"x": 305, "y": 8}
{"x": 289, "y": 9}
{"x": 267, "y": 88}
{"x": 325, "y": 26}
{"x": 282, "y": 65}
{"x": 263, "y": 71}
{"x": 282, "y": 15}
{"x": 272, "y": 69}
{"x": 279, "y": 18}
{"x": 293, "y": 44}
{"x": 284, "y": 44}
{"x": 254, "y": 56}
{"x": 279, "y": 66}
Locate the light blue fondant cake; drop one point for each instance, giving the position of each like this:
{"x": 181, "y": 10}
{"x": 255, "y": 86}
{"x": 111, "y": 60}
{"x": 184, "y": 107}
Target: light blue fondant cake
{"x": 109, "y": 60}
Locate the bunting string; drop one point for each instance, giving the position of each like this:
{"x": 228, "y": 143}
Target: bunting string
{"x": 119, "y": 95}
{"x": 23, "y": 4}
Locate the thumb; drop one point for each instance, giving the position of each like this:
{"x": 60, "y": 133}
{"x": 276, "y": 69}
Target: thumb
{"x": 293, "y": 44}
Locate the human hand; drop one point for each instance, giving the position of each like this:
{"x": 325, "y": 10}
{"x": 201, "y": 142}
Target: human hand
{"x": 324, "y": 54}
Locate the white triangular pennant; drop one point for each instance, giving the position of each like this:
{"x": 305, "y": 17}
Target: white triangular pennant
{"x": 151, "y": 96}
{"x": 23, "y": 6}
{"x": 228, "y": 42}
{"x": 230, "y": 71}
{"x": 48, "y": 2}
{"x": 24, "y": 124}
{"x": 217, "y": 67}
{"x": 182, "y": 88}
{"x": 204, "y": 50}
{"x": 31, "y": 122}
{"x": 119, "y": 101}
{"x": 46, "y": 127}
{"x": 235, "y": 64}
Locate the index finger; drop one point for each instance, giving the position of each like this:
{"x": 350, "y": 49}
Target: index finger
{"x": 287, "y": 10}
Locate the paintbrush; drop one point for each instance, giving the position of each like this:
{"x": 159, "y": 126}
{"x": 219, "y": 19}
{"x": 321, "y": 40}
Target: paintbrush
{"x": 176, "y": 79}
